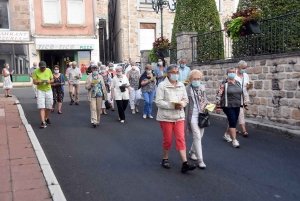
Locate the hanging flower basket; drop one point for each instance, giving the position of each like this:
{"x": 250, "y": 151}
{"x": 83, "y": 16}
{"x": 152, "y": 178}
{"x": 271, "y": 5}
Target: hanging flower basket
{"x": 252, "y": 27}
{"x": 163, "y": 53}
{"x": 161, "y": 47}
{"x": 243, "y": 23}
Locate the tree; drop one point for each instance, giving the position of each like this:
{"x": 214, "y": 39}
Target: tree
{"x": 201, "y": 17}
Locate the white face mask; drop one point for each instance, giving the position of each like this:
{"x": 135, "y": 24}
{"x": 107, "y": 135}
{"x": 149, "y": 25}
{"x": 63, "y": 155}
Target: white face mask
{"x": 8, "y": 67}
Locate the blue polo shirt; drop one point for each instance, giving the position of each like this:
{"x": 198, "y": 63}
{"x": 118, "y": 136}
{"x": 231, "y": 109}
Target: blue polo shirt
{"x": 183, "y": 73}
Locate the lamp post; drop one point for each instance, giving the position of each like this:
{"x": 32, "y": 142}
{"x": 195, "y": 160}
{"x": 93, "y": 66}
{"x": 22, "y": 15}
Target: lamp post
{"x": 158, "y": 5}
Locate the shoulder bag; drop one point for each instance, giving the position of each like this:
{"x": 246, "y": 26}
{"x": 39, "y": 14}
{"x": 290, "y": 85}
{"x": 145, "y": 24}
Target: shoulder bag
{"x": 203, "y": 118}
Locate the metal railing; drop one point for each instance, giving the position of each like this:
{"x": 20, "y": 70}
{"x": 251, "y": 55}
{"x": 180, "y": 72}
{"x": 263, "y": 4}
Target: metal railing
{"x": 278, "y": 35}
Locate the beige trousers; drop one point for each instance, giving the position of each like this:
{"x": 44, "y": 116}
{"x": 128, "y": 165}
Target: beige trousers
{"x": 71, "y": 90}
{"x": 95, "y": 106}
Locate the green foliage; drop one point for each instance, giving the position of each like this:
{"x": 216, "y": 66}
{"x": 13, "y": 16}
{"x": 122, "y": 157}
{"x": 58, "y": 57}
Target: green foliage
{"x": 234, "y": 28}
{"x": 278, "y": 34}
{"x": 152, "y": 55}
{"x": 199, "y": 16}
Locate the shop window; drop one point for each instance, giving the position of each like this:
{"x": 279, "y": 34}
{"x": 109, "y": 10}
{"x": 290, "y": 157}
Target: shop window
{"x": 51, "y": 11}
{"x": 147, "y": 35}
{"x": 76, "y": 14}
{"x": 4, "y": 14}
{"x": 16, "y": 56}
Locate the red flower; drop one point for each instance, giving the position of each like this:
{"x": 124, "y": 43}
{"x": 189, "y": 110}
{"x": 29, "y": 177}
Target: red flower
{"x": 242, "y": 33}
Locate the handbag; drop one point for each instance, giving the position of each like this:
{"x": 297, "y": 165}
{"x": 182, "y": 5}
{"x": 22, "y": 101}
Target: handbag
{"x": 203, "y": 118}
{"x": 107, "y": 104}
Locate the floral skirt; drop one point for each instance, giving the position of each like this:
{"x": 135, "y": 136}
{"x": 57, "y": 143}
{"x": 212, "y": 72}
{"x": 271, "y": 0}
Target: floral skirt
{"x": 7, "y": 84}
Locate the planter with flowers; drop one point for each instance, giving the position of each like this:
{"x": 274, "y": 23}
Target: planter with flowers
{"x": 243, "y": 23}
{"x": 161, "y": 47}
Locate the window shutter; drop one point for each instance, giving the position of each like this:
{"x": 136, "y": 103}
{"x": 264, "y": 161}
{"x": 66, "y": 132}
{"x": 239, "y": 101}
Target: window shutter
{"x": 76, "y": 12}
{"x": 51, "y": 10}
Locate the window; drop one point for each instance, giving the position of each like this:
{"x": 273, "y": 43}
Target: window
{"x": 235, "y": 5}
{"x": 76, "y": 14}
{"x": 51, "y": 11}
{"x": 146, "y": 1}
{"x": 147, "y": 35}
{"x": 4, "y": 22}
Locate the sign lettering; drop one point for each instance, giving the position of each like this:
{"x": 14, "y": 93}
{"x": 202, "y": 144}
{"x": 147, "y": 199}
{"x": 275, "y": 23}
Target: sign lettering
{"x": 14, "y": 35}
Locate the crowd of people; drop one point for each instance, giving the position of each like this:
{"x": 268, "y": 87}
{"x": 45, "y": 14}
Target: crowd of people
{"x": 179, "y": 93}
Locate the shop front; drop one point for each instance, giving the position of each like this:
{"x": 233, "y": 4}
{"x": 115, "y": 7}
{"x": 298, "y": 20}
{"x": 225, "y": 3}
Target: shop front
{"x": 64, "y": 50}
{"x": 14, "y": 50}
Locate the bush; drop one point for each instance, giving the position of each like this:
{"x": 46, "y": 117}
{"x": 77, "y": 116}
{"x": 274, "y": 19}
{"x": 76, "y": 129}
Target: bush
{"x": 199, "y": 16}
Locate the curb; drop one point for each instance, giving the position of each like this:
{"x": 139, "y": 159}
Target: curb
{"x": 52, "y": 183}
{"x": 261, "y": 126}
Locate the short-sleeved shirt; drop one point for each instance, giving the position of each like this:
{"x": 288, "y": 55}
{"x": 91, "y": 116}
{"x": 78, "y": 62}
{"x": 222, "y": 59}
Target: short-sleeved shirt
{"x": 32, "y": 69}
{"x": 96, "y": 90}
{"x": 134, "y": 79}
{"x": 148, "y": 87}
{"x": 38, "y": 75}
{"x": 234, "y": 94}
{"x": 183, "y": 73}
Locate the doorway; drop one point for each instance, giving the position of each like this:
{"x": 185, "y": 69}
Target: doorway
{"x": 58, "y": 57}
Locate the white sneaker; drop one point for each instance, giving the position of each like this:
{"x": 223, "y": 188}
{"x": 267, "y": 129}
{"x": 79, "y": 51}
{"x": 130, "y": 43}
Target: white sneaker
{"x": 202, "y": 165}
{"x": 122, "y": 121}
{"x": 227, "y": 137}
{"x": 144, "y": 116}
{"x": 193, "y": 156}
{"x": 136, "y": 110}
{"x": 235, "y": 143}
{"x": 150, "y": 116}
{"x": 133, "y": 112}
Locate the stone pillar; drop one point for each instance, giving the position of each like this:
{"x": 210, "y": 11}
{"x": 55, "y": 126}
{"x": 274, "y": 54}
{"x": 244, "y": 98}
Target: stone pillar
{"x": 184, "y": 46}
{"x": 145, "y": 58}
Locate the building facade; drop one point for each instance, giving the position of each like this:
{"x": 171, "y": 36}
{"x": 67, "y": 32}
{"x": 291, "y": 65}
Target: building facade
{"x": 64, "y": 31}
{"x": 15, "y": 36}
{"x": 133, "y": 26}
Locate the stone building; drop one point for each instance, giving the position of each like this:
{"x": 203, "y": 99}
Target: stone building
{"x": 15, "y": 35}
{"x": 133, "y": 26}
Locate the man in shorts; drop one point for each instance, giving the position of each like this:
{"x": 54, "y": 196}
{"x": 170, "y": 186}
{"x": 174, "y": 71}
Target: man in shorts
{"x": 43, "y": 77}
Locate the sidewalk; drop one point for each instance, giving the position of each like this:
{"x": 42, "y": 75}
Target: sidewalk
{"x": 21, "y": 176}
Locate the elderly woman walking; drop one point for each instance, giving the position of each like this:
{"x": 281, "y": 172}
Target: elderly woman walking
{"x": 7, "y": 83}
{"x": 120, "y": 92}
{"x": 134, "y": 97}
{"x": 161, "y": 70}
{"x": 230, "y": 99}
{"x": 171, "y": 98}
{"x": 58, "y": 89}
{"x": 107, "y": 81}
{"x": 197, "y": 101}
{"x": 244, "y": 79}
{"x": 96, "y": 94}
{"x": 148, "y": 85}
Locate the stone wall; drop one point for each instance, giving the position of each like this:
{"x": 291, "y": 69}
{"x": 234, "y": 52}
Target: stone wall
{"x": 19, "y": 15}
{"x": 275, "y": 97}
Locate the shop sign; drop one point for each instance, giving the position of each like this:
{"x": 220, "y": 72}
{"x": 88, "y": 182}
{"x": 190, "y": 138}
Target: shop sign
{"x": 64, "y": 47}
{"x": 14, "y": 35}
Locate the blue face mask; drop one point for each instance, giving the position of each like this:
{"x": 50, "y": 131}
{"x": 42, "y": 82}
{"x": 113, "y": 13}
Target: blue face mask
{"x": 174, "y": 77}
{"x": 102, "y": 71}
{"x": 182, "y": 65}
{"x": 95, "y": 72}
{"x": 160, "y": 63}
{"x": 196, "y": 83}
{"x": 243, "y": 71}
{"x": 231, "y": 75}
{"x": 111, "y": 68}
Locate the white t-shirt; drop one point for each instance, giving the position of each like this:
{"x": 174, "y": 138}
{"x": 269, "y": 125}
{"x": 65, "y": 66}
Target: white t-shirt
{"x": 244, "y": 81}
{"x": 195, "y": 113}
{"x": 116, "y": 83}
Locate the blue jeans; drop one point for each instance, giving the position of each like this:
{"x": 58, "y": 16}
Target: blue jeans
{"x": 232, "y": 115}
{"x": 148, "y": 99}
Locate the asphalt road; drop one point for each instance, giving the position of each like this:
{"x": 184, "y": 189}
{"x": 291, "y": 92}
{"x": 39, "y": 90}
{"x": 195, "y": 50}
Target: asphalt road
{"x": 120, "y": 162}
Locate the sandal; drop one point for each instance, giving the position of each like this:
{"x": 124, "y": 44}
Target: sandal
{"x": 165, "y": 163}
{"x": 238, "y": 132}
{"x": 245, "y": 134}
{"x": 104, "y": 113}
{"x": 52, "y": 110}
{"x": 59, "y": 112}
